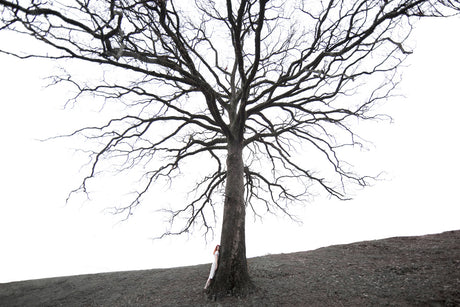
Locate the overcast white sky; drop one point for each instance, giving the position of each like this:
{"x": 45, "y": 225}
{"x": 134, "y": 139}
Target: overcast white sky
{"x": 42, "y": 237}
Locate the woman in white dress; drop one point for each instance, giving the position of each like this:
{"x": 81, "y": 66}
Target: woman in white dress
{"x": 213, "y": 266}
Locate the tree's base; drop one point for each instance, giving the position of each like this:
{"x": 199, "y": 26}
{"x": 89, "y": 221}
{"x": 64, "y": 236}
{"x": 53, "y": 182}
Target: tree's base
{"x": 215, "y": 292}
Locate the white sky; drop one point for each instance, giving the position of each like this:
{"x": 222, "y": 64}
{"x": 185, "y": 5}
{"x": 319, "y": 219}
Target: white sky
{"x": 42, "y": 237}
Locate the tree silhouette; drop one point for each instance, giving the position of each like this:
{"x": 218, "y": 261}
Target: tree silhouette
{"x": 265, "y": 93}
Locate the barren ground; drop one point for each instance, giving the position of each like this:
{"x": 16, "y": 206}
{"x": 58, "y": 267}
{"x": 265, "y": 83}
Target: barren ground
{"x": 403, "y": 271}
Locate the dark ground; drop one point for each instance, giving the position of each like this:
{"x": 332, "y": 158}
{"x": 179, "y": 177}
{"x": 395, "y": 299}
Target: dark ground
{"x": 404, "y": 271}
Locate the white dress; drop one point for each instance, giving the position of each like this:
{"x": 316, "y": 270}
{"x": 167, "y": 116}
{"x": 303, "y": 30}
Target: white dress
{"x": 214, "y": 265}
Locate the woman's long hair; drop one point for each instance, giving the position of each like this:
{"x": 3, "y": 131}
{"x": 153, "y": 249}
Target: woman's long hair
{"x": 215, "y": 250}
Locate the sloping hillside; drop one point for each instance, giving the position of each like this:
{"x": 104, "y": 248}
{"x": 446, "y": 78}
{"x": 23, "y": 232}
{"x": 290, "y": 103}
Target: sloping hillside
{"x": 403, "y": 271}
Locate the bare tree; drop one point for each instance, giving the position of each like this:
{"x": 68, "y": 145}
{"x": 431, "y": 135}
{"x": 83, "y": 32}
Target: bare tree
{"x": 266, "y": 92}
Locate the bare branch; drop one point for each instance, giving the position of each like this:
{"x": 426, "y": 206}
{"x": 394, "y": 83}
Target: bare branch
{"x": 286, "y": 80}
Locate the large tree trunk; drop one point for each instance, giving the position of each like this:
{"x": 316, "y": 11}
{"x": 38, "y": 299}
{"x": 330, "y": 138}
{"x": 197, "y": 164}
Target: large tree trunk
{"x": 232, "y": 277}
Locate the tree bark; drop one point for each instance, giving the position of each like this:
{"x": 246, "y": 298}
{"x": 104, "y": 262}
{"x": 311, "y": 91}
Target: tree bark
{"x": 232, "y": 277}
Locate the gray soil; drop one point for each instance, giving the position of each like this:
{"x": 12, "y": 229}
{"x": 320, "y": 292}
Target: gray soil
{"x": 402, "y": 271}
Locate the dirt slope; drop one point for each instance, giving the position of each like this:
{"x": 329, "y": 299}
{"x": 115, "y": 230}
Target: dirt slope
{"x": 403, "y": 271}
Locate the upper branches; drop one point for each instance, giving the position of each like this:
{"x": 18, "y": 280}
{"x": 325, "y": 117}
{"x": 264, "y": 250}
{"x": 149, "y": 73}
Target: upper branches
{"x": 309, "y": 89}
{"x": 288, "y": 79}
